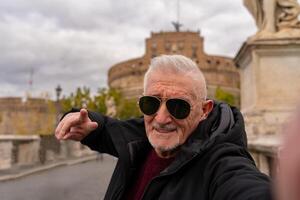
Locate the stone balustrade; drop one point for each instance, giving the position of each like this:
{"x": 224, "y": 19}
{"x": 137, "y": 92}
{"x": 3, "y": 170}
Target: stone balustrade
{"x": 36, "y": 150}
{"x": 18, "y": 150}
{"x": 30, "y": 150}
{"x": 264, "y": 150}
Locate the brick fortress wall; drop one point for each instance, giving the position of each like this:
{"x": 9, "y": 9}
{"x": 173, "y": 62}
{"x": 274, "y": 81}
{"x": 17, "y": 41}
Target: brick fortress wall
{"x": 219, "y": 71}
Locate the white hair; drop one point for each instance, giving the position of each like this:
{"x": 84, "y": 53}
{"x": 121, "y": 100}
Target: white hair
{"x": 179, "y": 65}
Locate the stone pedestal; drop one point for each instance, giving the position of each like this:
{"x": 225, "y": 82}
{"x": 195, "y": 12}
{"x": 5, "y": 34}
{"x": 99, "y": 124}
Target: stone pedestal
{"x": 270, "y": 83}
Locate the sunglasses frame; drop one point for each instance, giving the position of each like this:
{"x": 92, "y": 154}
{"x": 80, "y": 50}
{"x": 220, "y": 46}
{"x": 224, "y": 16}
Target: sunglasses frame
{"x": 164, "y": 100}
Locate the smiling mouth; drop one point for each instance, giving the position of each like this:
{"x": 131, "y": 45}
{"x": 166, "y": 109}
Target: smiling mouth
{"x": 158, "y": 130}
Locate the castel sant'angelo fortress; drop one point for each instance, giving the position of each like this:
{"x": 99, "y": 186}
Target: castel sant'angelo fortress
{"x": 127, "y": 76}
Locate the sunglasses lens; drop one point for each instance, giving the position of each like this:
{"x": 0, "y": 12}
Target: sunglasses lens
{"x": 179, "y": 108}
{"x": 149, "y": 105}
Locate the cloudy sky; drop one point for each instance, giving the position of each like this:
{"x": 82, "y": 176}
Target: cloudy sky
{"x": 74, "y": 42}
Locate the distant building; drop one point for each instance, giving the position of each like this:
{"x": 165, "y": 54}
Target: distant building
{"x": 30, "y": 117}
{"x": 219, "y": 71}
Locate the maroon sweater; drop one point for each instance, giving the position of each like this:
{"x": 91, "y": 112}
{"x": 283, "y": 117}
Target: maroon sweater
{"x": 151, "y": 167}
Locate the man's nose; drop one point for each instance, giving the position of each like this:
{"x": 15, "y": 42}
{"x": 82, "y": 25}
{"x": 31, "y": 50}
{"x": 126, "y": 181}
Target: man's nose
{"x": 163, "y": 116}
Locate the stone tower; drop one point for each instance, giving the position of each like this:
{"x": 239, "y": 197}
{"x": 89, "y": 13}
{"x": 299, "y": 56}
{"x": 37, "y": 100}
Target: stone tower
{"x": 219, "y": 71}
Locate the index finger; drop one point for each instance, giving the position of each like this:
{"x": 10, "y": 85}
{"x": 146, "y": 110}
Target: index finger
{"x": 83, "y": 117}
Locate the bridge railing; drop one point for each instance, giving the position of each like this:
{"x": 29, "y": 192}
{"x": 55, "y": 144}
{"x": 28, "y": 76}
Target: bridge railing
{"x": 29, "y": 150}
{"x": 264, "y": 150}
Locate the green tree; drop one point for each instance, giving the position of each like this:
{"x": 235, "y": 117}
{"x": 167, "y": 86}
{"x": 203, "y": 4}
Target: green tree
{"x": 81, "y": 98}
{"x": 222, "y": 95}
{"x": 66, "y": 103}
{"x": 126, "y": 108}
{"x": 99, "y": 101}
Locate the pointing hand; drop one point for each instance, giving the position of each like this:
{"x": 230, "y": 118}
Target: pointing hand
{"x": 75, "y": 126}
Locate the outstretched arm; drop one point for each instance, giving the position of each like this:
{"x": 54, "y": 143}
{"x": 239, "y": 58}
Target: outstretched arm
{"x": 99, "y": 132}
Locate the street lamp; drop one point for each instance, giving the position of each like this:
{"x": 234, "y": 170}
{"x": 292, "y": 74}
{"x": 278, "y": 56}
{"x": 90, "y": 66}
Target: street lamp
{"x": 58, "y": 90}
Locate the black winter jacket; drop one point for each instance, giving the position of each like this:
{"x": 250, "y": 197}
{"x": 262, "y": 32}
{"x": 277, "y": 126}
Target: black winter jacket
{"x": 213, "y": 164}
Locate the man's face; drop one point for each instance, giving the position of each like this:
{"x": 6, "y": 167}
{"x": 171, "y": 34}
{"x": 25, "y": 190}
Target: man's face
{"x": 166, "y": 133}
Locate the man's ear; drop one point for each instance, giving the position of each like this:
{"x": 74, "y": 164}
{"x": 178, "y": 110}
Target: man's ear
{"x": 207, "y": 108}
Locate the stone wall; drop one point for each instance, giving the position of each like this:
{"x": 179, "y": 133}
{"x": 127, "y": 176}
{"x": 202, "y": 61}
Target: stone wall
{"x": 26, "y": 117}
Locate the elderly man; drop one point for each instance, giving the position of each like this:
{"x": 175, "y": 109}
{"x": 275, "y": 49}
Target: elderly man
{"x": 185, "y": 147}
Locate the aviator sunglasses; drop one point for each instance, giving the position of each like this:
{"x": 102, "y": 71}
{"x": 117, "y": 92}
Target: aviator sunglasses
{"x": 178, "y": 108}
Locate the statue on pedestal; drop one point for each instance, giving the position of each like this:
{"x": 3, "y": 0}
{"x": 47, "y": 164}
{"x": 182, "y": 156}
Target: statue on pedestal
{"x": 288, "y": 14}
{"x": 275, "y": 17}
{"x": 111, "y": 106}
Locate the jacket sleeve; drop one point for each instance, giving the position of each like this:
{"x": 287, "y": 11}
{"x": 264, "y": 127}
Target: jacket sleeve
{"x": 112, "y": 136}
{"x": 234, "y": 176}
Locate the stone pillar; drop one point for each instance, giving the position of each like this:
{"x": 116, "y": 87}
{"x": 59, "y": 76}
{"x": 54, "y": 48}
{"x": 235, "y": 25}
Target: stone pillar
{"x": 263, "y": 150}
{"x": 75, "y": 148}
{"x": 270, "y": 83}
{"x": 28, "y": 153}
{"x": 261, "y": 162}
{"x": 264, "y": 164}
{"x": 63, "y": 153}
{"x": 5, "y": 154}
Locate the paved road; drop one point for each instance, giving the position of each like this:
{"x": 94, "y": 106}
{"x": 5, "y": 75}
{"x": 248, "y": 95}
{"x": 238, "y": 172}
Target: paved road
{"x": 84, "y": 181}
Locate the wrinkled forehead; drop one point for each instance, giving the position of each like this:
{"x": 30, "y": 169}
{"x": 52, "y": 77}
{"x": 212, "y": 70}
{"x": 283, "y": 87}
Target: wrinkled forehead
{"x": 166, "y": 85}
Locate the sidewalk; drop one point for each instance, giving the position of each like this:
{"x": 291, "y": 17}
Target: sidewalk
{"x": 18, "y": 172}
